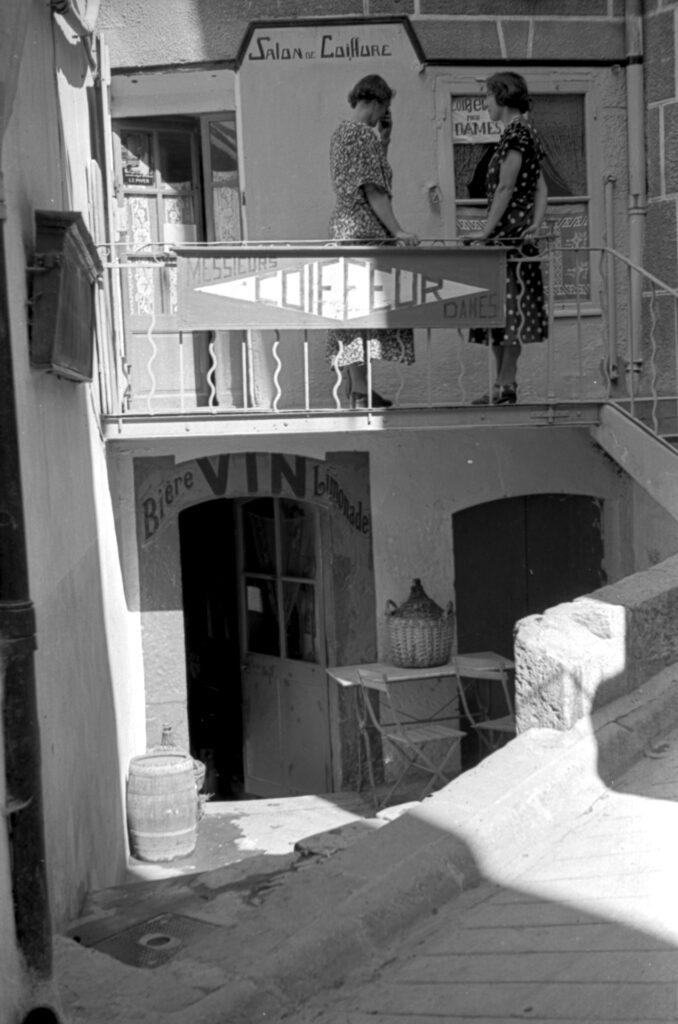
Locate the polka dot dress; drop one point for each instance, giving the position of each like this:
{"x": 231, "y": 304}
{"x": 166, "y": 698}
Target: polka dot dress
{"x": 526, "y": 317}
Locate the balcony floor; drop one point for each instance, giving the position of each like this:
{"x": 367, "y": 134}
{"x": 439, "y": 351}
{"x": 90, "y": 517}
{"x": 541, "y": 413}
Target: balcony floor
{"x": 170, "y": 427}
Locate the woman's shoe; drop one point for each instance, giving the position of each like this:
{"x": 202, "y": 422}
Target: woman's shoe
{"x": 508, "y": 395}
{"x": 359, "y": 401}
{"x": 487, "y": 399}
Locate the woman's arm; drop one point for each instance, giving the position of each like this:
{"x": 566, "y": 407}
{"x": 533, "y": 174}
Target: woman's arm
{"x": 539, "y": 210}
{"x": 509, "y": 170}
{"x": 380, "y": 203}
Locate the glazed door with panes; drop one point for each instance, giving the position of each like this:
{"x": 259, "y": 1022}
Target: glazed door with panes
{"x": 284, "y": 685}
{"x": 176, "y": 183}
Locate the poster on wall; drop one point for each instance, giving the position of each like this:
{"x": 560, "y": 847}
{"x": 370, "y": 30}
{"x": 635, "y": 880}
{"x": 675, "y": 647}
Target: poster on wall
{"x": 137, "y": 159}
{"x": 568, "y": 223}
{"x": 231, "y": 288}
{"x": 471, "y": 121}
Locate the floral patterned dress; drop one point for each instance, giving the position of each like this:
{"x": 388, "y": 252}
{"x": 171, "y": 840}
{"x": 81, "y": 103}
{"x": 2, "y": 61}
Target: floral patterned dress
{"x": 526, "y": 317}
{"x": 357, "y": 158}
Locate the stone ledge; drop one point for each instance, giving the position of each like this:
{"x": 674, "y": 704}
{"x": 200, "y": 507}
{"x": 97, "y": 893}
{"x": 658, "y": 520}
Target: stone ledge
{"x": 580, "y": 655}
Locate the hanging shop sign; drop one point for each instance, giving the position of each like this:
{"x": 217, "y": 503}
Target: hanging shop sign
{"x": 341, "y": 41}
{"x": 165, "y": 492}
{"x": 231, "y": 288}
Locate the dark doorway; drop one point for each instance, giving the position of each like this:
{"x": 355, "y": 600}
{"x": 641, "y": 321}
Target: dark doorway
{"x": 518, "y": 557}
{"x": 210, "y": 597}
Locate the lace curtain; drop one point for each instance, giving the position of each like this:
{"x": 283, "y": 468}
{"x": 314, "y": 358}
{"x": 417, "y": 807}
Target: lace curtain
{"x": 560, "y": 123}
{"x": 297, "y": 533}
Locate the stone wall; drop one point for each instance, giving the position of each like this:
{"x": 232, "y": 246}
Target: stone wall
{"x": 661, "y": 93}
{"x": 581, "y": 655}
{"x": 155, "y": 33}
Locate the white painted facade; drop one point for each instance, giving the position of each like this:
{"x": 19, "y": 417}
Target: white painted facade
{"x": 87, "y": 662}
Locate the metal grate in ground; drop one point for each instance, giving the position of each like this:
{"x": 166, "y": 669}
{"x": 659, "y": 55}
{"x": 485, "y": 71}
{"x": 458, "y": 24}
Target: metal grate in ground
{"x": 153, "y": 942}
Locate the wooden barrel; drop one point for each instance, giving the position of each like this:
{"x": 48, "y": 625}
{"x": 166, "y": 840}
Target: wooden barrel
{"x": 162, "y": 805}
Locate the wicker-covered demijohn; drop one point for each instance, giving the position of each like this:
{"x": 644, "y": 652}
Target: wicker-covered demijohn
{"x": 420, "y": 631}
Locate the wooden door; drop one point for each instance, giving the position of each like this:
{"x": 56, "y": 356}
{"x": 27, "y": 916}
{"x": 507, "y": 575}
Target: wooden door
{"x": 520, "y": 556}
{"x": 159, "y": 187}
{"x": 286, "y": 714}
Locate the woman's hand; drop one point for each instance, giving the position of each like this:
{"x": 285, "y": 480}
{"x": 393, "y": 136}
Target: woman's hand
{"x": 385, "y": 128}
{"x": 380, "y": 202}
{"x": 478, "y": 238}
{"x": 530, "y": 232}
{"x": 406, "y": 237}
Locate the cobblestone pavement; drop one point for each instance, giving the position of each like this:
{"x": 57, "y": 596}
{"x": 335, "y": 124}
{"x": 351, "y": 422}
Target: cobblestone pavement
{"x": 585, "y": 930}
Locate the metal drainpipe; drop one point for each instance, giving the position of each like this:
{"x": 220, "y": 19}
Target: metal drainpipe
{"x": 24, "y": 812}
{"x": 612, "y": 367}
{"x": 635, "y": 109}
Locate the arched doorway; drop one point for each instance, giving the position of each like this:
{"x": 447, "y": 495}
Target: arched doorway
{"x": 519, "y": 556}
{"x": 211, "y": 623}
{"x": 516, "y": 557}
{"x": 253, "y": 613}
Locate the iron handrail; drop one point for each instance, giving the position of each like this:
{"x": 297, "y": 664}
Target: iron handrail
{"x": 158, "y": 256}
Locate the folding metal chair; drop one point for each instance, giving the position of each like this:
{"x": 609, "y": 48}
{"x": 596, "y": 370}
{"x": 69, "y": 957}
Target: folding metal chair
{"x": 406, "y": 734}
{"x": 491, "y": 729}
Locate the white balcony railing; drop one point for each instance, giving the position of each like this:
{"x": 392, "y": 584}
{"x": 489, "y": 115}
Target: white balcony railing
{"x": 613, "y": 334}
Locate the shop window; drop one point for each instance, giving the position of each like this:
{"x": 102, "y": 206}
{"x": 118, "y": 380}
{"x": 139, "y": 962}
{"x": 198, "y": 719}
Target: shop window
{"x": 222, "y": 189}
{"x": 562, "y": 114}
{"x": 183, "y": 173}
{"x": 279, "y": 576}
{"x": 176, "y": 183}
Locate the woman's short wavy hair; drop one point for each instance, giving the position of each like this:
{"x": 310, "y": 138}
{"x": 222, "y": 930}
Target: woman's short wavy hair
{"x": 371, "y": 87}
{"x": 509, "y": 90}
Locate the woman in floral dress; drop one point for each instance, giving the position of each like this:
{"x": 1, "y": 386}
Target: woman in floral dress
{"x": 361, "y": 178}
{"x": 517, "y": 195}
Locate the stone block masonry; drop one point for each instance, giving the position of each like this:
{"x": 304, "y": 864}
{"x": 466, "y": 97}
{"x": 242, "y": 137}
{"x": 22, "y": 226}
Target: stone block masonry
{"x": 448, "y": 31}
{"x": 517, "y": 8}
{"x": 661, "y": 95}
{"x": 581, "y": 655}
{"x": 660, "y": 56}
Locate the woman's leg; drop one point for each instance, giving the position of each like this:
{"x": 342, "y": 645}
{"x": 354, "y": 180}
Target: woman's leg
{"x": 498, "y": 353}
{"x": 507, "y": 364}
{"x": 357, "y": 389}
{"x": 490, "y": 396}
{"x": 357, "y": 378}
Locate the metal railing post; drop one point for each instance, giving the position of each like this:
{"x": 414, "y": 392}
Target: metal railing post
{"x": 550, "y": 390}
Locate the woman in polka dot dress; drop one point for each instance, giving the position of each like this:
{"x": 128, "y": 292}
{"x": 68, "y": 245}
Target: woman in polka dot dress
{"x": 516, "y": 193}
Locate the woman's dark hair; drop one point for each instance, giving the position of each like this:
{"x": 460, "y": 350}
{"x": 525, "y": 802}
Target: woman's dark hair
{"x": 509, "y": 90}
{"x": 371, "y": 87}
